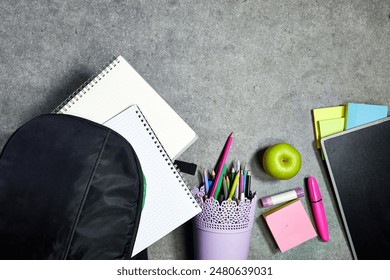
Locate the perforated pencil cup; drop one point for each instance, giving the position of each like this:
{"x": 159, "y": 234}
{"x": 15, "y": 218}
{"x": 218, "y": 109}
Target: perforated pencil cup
{"x": 222, "y": 231}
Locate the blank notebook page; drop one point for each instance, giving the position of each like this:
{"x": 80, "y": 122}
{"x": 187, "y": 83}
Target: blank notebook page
{"x": 168, "y": 202}
{"x": 116, "y": 88}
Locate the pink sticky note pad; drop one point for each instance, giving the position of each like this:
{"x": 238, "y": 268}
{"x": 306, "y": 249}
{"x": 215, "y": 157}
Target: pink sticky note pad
{"x": 290, "y": 225}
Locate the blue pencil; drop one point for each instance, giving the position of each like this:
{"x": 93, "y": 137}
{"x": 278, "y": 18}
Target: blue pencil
{"x": 245, "y": 173}
{"x": 206, "y": 181}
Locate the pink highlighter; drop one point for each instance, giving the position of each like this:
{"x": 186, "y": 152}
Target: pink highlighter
{"x": 318, "y": 208}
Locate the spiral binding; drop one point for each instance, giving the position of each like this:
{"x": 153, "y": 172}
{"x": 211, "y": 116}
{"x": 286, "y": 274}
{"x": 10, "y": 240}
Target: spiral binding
{"x": 85, "y": 88}
{"x": 173, "y": 167}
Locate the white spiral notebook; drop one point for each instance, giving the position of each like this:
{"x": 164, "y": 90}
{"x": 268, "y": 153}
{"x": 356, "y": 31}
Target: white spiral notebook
{"x": 168, "y": 202}
{"x": 119, "y": 86}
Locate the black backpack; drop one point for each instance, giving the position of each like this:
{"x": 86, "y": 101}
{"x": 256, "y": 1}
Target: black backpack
{"x": 69, "y": 189}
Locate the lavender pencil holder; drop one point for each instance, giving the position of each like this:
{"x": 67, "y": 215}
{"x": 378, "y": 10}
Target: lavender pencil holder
{"x": 222, "y": 231}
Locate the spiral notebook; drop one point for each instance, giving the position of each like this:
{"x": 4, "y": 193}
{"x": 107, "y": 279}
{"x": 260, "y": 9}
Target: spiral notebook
{"x": 119, "y": 86}
{"x": 168, "y": 202}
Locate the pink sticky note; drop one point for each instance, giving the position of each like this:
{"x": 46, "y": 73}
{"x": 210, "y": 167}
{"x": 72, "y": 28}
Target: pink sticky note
{"x": 290, "y": 225}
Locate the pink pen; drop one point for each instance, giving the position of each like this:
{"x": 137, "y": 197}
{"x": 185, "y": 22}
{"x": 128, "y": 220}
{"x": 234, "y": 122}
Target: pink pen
{"x": 318, "y": 208}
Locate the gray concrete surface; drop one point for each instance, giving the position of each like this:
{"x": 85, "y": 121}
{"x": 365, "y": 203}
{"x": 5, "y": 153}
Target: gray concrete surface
{"x": 253, "y": 67}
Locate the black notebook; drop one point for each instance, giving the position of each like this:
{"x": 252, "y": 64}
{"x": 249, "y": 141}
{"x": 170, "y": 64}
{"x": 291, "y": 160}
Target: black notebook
{"x": 358, "y": 161}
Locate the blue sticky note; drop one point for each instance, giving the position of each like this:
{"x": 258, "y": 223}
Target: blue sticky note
{"x": 359, "y": 114}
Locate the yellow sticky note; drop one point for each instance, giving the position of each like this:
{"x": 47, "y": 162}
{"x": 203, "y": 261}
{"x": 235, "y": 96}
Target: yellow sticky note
{"x": 329, "y": 127}
{"x": 327, "y": 113}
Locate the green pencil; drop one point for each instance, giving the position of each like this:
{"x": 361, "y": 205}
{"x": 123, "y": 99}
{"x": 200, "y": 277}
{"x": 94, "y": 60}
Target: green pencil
{"x": 233, "y": 174}
{"x": 220, "y": 182}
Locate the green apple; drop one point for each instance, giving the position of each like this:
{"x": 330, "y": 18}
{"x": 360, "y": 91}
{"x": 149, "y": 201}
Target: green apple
{"x": 282, "y": 161}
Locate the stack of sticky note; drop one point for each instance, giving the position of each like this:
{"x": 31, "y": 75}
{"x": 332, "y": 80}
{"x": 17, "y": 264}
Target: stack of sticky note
{"x": 331, "y": 120}
{"x": 290, "y": 225}
{"x": 328, "y": 121}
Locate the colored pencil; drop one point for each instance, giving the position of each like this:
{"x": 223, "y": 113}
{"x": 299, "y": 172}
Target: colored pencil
{"x": 218, "y": 190}
{"x": 206, "y": 181}
{"x": 234, "y": 185}
{"x": 248, "y": 184}
{"x": 241, "y": 190}
{"x": 233, "y": 173}
{"x": 221, "y": 165}
{"x": 237, "y": 192}
{"x": 245, "y": 173}
{"x": 220, "y": 198}
{"x": 224, "y": 186}
{"x": 227, "y": 185}
{"x": 212, "y": 174}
